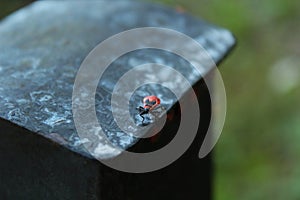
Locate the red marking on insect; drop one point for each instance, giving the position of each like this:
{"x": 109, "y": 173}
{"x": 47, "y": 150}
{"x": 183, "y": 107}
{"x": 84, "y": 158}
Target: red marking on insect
{"x": 149, "y": 103}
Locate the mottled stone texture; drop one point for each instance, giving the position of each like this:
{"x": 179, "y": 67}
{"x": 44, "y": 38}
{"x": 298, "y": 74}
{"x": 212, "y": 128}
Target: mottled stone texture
{"x": 34, "y": 168}
{"x": 41, "y": 49}
{"x": 43, "y": 45}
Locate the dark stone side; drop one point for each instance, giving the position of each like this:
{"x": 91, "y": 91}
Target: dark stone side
{"x": 34, "y": 168}
{"x": 42, "y": 47}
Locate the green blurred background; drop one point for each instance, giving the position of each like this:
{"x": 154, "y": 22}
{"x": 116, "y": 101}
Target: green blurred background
{"x": 256, "y": 156}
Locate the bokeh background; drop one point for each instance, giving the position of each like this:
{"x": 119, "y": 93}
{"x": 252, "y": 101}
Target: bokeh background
{"x": 257, "y": 155}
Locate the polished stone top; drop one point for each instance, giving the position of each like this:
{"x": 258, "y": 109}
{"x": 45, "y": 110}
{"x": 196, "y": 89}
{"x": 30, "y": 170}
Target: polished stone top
{"x": 43, "y": 45}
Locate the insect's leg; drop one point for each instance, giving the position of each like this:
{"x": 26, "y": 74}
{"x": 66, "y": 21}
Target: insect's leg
{"x": 143, "y": 119}
{"x": 140, "y": 109}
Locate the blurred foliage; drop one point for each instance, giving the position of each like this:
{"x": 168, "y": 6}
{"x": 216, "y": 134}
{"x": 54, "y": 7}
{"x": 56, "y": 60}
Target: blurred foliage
{"x": 257, "y": 155}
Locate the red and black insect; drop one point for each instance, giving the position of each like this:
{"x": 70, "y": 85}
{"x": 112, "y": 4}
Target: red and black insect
{"x": 150, "y": 102}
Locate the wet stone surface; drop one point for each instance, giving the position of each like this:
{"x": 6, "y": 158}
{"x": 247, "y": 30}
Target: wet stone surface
{"x": 43, "y": 45}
